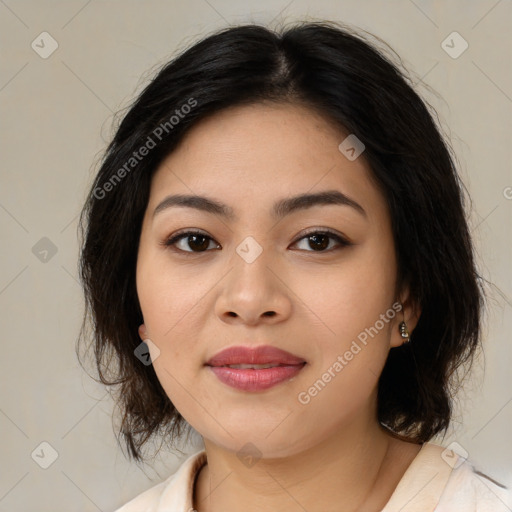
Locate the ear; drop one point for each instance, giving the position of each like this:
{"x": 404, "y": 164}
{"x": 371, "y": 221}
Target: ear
{"x": 143, "y": 333}
{"x": 409, "y": 313}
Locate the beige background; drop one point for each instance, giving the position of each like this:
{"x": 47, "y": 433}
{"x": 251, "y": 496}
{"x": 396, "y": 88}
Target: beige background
{"x": 56, "y": 116}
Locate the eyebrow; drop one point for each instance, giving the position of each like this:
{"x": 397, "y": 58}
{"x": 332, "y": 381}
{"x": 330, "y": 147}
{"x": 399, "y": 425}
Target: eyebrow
{"x": 280, "y": 209}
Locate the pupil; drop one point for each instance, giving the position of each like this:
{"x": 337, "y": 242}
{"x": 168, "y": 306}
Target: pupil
{"x": 320, "y": 245}
{"x": 202, "y": 246}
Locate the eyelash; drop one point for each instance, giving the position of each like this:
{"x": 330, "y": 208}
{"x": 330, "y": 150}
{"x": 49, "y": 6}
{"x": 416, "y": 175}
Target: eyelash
{"x": 171, "y": 241}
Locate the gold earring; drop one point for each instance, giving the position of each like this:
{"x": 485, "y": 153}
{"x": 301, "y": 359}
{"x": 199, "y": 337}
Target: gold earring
{"x": 402, "y": 328}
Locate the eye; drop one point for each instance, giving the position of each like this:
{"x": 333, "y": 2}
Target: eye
{"x": 196, "y": 240}
{"x": 320, "y": 240}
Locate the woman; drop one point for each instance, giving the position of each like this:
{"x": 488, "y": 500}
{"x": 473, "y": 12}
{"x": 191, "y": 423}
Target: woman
{"x": 276, "y": 254}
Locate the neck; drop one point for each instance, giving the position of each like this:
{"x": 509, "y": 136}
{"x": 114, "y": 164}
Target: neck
{"x": 346, "y": 469}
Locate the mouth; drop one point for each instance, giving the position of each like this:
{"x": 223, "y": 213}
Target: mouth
{"x": 255, "y": 368}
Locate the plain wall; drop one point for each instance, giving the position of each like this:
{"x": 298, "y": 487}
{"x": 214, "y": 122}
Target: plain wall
{"x": 56, "y": 116}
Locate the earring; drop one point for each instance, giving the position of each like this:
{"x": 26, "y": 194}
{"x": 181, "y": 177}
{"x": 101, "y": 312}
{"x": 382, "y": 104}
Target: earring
{"x": 402, "y": 328}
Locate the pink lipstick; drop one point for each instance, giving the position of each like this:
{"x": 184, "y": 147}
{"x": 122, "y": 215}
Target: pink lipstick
{"x": 255, "y": 368}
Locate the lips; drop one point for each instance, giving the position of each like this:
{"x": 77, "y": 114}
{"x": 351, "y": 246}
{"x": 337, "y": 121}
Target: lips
{"x": 253, "y": 356}
{"x": 255, "y": 369}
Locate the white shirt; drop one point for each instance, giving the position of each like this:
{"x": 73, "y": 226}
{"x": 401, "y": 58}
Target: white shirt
{"x": 430, "y": 484}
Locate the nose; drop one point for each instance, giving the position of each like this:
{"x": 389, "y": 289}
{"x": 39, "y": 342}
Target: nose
{"x": 253, "y": 293}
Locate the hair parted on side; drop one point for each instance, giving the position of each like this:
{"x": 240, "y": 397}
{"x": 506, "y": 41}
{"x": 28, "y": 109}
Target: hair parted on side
{"x": 344, "y": 77}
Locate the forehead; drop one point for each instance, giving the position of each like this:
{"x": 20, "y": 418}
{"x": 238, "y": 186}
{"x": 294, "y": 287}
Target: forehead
{"x": 251, "y": 156}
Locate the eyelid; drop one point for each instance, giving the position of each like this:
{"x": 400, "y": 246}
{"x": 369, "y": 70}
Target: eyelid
{"x": 323, "y": 231}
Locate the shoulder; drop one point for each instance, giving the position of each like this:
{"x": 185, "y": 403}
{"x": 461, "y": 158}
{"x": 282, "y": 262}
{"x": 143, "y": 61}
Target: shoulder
{"x": 471, "y": 490}
{"x": 440, "y": 480}
{"x": 175, "y": 491}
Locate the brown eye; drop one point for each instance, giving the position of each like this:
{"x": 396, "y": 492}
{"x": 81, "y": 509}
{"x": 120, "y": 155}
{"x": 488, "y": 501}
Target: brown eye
{"x": 198, "y": 242}
{"x": 319, "y": 241}
{"x": 195, "y": 241}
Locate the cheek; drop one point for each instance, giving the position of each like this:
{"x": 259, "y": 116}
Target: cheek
{"x": 170, "y": 308}
{"x": 351, "y": 343}
{"x": 344, "y": 299}
{"x": 167, "y": 296}
{"x": 170, "y": 304}
{"x": 349, "y": 330}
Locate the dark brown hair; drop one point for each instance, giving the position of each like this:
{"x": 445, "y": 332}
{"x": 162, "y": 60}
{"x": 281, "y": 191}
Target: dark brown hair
{"x": 348, "y": 80}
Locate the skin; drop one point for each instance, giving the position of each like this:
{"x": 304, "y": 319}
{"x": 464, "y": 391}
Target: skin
{"x": 314, "y": 456}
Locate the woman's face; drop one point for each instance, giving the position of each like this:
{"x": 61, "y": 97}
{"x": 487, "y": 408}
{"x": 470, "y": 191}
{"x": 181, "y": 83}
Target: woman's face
{"x": 260, "y": 276}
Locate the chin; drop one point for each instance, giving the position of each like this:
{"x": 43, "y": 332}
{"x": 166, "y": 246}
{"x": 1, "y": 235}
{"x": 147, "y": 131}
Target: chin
{"x": 249, "y": 443}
